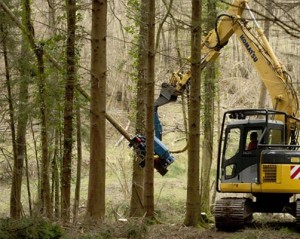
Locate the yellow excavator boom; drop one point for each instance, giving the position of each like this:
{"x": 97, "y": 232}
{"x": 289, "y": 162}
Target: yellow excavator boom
{"x": 257, "y": 48}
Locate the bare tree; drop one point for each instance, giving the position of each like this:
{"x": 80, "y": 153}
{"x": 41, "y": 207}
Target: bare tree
{"x": 192, "y": 202}
{"x": 208, "y": 122}
{"x": 137, "y": 189}
{"x": 68, "y": 111}
{"x": 96, "y": 190}
{"x": 79, "y": 161}
{"x": 15, "y": 196}
{"x": 287, "y": 21}
{"x": 263, "y": 90}
{"x": 45, "y": 198}
{"x": 149, "y": 168}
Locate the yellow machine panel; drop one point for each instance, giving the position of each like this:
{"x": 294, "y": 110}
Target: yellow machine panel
{"x": 274, "y": 178}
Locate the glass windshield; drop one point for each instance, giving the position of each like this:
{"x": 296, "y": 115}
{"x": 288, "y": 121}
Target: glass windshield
{"x": 275, "y": 136}
{"x": 232, "y": 143}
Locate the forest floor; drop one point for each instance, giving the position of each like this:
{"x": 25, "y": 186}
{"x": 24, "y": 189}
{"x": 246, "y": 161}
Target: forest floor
{"x": 274, "y": 229}
{"x": 167, "y": 231}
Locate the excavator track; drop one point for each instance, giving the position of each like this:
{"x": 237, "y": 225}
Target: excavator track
{"x": 232, "y": 213}
{"x": 298, "y": 214}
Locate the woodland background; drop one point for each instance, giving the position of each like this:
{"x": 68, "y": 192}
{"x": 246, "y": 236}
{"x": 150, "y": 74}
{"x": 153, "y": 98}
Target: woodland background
{"x": 47, "y": 130}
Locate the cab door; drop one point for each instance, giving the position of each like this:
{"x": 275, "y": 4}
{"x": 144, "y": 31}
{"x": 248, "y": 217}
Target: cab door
{"x": 250, "y": 155}
{"x": 240, "y": 165}
{"x": 231, "y": 155}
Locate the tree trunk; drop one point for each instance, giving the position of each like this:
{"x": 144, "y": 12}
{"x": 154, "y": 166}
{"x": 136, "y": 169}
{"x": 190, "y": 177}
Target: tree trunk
{"x": 137, "y": 188}
{"x": 55, "y": 174}
{"x": 23, "y": 114}
{"x": 208, "y": 124}
{"x": 45, "y": 197}
{"x": 15, "y": 196}
{"x": 192, "y": 201}
{"x": 28, "y": 182}
{"x": 35, "y": 149}
{"x": 45, "y": 193}
{"x": 263, "y": 90}
{"x": 96, "y": 190}
{"x": 68, "y": 112}
{"x": 21, "y": 126}
{"x": 149, "y": 167}
{"x": 208, "y": 141}
{"x": 79, "y": 160}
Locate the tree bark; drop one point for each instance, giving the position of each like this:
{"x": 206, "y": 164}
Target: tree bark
{"x": 55, "y": 173}
{"x": 208, "y": 123}
{"x": 22, "y": 124}
{"x": 79, "y": 160}
{"x": 96, "y": 189}
{"x": 45, "y": 193}
{"x": 192, "y": 201}
{"x": 15, "y": 196}
{"x": 149, "y": 167}
{"x": 28, "y": 182}
{"x": 68, "y": 112}
{"x": 137, "y": 188}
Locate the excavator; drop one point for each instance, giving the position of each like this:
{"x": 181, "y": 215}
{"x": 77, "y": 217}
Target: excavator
{"x": 265, "y": 178}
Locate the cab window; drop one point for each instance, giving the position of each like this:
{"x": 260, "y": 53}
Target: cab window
{"x": 252, "y": 137}
{"x": 232, "y": 143}
{"x": 230, "y": 171}
{"x": 275, "y": 136}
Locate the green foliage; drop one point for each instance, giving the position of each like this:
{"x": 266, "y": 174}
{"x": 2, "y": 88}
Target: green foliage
{"x": 130, "y": 29}
{"x": 31, "y": 228}
{"x": 133, "y": 11}
{"x": 286, "y": 230}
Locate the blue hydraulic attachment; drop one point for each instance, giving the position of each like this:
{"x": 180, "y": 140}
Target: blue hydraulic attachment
{"x": 162, "y": 156}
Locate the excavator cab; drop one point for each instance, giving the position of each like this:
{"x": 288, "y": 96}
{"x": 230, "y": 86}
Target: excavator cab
{"x": 269, "y": 171}
{"x": 245, "y": 133}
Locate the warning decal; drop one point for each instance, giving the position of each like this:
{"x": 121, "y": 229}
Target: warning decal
{"x": 295, "y": 172}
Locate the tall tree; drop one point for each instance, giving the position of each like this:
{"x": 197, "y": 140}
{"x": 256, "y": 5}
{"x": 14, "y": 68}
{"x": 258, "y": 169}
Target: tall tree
{"x": 79, "y": 160}
{"x": 137, "y": 189}
{"x": 25, "y": 72}
{"x": 263, "y": 90}
{"x": 149, "y": 168}
{"x": 55, "y": 125}
{"x": 45, "y": 197}
{"x": 96, "y": 189}
{"x": 18, "y": 120}
{"x": 15, "y": 196}
{"x": 68, "y": 111}
{"x": 192, "y": 201}
{"x": 208, "y": 122}
{"x": 25, "y": 75}
{"x": 55, "y": 173}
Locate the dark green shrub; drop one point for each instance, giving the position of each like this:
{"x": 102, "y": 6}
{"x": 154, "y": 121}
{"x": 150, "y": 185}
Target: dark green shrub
{"x": 29, "y": 228}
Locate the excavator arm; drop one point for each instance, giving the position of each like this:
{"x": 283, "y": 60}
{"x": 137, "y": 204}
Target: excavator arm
{"x": 211, "y": 46}
{"x": 255, "y": 44}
